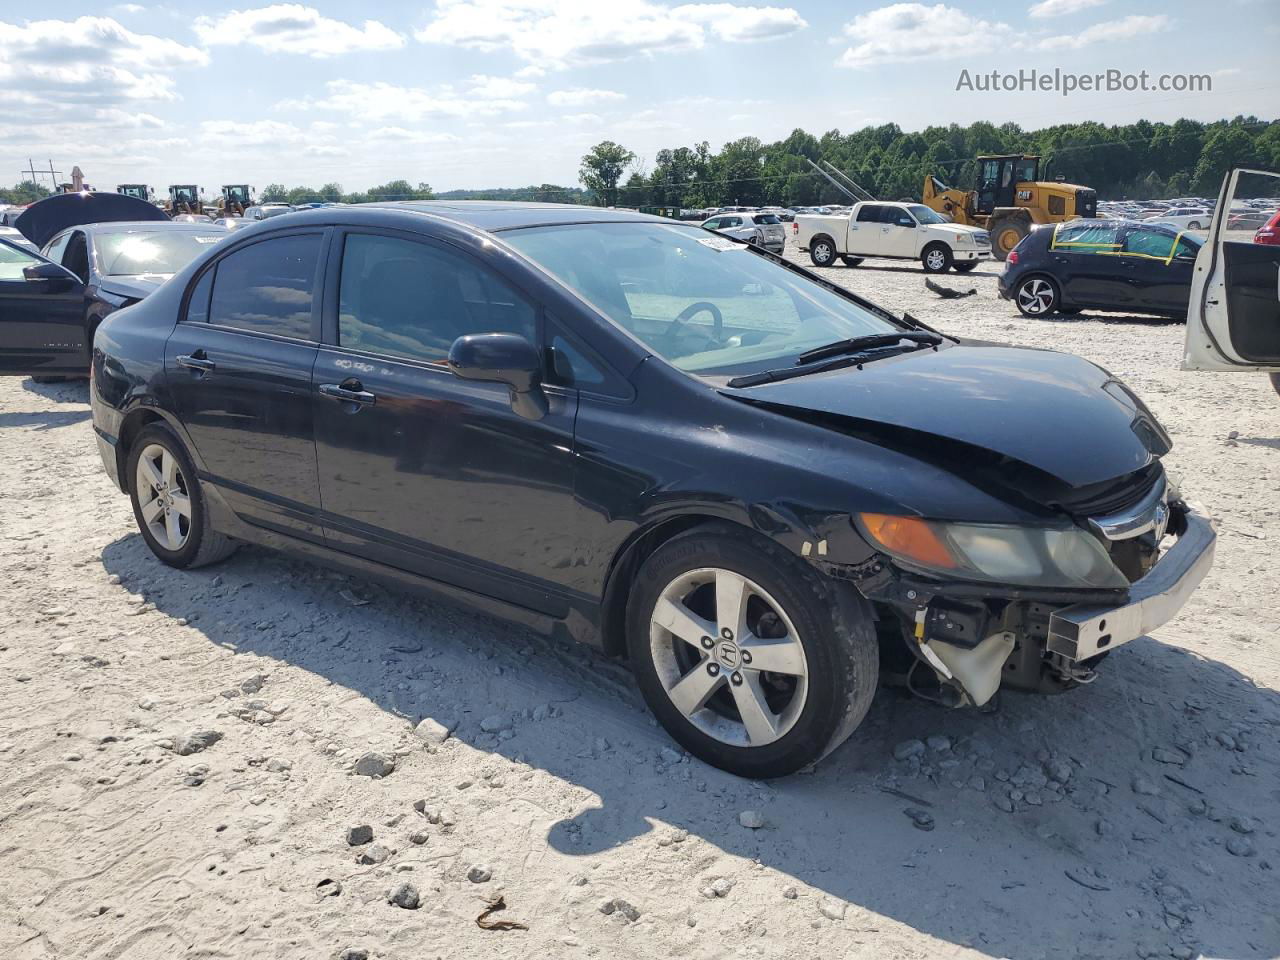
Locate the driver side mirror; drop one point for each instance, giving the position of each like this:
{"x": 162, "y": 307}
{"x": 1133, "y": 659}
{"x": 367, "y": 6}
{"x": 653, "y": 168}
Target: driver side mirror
{"x": 45, "y": 271}
{"x": 503, "y": 358}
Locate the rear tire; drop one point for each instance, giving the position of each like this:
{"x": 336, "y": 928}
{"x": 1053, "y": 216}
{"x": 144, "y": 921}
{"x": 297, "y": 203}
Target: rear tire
{"x": 936, "y": 258}
{"x": 822, "y": 251}
{"x": 1193, "y": 225}
{"x": 168, "y": 504}
{"x": 1037, "y": 297}
{"x": 967, "y": 267}
{"x": 695, "y": 671}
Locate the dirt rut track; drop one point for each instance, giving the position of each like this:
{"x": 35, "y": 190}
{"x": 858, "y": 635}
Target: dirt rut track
{"x": 1135, "y": 817}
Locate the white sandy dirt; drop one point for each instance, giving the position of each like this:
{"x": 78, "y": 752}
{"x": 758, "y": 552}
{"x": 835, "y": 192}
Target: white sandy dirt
{"x": 1135, "y": 817}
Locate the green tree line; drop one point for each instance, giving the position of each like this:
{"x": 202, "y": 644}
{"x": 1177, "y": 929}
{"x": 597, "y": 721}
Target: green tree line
{"x": 1141, "y": 160}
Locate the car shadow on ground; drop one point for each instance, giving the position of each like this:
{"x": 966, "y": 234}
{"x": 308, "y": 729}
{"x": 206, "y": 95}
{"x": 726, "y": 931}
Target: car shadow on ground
{"x": 1168, "y": 760}
{"x": 72, "y": 390}
{"x": 1110, "y": 318}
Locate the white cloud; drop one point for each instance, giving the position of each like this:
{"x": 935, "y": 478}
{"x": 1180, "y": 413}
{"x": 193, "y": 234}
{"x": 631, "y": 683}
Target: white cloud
{"x": 913, "y": 31}
{"x": 401, "y": 135}
{"x": 581, "y": 97}
{"x": 294, "y": 28}
{"x": 585, "y": 118}
{"x": 559, "y": 33}
{"x": 502, "y": 88}
{"x": 1060, "y": 8}
{"x": 740, "y": 24}
{"x": 387, "y": 103}
{"x": 89, "y": 62}
{"x": 128, "y": 8}
{"x": 1125, "y": 29}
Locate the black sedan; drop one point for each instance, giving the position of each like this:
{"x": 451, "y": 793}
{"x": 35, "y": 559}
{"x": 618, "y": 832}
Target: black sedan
{"x": 94, "y": 260}
{"x": 1101, "y": 265}
{"x": 758, "y": 487}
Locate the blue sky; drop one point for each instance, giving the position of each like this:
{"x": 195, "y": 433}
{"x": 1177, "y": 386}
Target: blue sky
{"x": 478, "y": 93}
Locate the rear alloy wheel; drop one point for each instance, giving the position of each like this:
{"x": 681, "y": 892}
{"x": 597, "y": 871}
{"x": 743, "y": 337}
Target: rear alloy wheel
{"x": 751, "y": 660}
{"x": 936, "y": 258}
{"x": 168, "y": 503}
{"x": 1193, "y": 225}
{"x": 1036, "y": 297}
{"x": 822, "y": 252}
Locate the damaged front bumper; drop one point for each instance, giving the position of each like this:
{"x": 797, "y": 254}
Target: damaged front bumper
{"x": 1085, "y": 630}
{"x": 977, "y": 638}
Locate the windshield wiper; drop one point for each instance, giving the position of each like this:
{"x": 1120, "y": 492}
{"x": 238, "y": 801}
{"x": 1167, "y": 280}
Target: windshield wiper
{"x": 842, "y": 353}
{"x": 859, "y": 344}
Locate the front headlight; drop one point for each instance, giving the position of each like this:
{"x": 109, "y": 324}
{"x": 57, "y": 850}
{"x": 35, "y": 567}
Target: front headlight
{"x": 998, "y": 553}
{"x": 964, "y": 240}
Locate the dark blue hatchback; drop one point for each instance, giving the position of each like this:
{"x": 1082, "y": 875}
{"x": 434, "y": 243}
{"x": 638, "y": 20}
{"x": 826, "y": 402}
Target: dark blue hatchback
{"x": 1115, "y": 265}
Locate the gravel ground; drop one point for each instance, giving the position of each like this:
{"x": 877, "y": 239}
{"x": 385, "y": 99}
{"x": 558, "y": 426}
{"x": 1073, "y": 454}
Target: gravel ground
{"x": 184, "y": 757}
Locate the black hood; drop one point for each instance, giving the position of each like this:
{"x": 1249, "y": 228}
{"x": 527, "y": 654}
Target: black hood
{"x": 987, "y": 409}
{"x": 41, "y": 221}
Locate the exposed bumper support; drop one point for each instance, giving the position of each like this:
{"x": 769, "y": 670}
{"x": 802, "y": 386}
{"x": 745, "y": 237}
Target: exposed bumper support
{"x": 1084, "y": 630}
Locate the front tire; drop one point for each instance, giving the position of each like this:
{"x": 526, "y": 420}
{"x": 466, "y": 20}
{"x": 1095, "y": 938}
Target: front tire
{"x": 936, "y": 258}
{"x": 1037, "y": 297}
{"x": 168, "y": 504}
{"x": 822, "y": 251}
{"x": 752, "y": 660}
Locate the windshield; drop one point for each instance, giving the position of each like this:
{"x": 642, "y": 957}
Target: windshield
{"x": 129, "y": 254}
{"x": 924, "y": 215}
{"x": 703, "y": 303}
{"x": 13, "y": 260}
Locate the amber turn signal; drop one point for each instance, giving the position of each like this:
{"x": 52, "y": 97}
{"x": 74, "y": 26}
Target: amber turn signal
{"x": 908, "y": 537}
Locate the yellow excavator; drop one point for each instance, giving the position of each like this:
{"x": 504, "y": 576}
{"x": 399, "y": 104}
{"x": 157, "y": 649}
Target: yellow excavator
{"x": 235, "y": 198}
{"x": 1009, "y": 199}
{"x": 184, "y": 198}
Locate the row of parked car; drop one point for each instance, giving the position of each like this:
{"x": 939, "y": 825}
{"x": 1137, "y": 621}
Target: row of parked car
{"x": 506, "y": 405}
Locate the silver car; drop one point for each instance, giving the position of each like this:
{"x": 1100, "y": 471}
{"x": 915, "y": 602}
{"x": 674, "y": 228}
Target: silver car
{"x": 762, "y": 229}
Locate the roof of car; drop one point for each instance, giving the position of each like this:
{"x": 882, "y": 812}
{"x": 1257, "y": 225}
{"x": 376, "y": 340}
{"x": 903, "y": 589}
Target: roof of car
{"x": 494, "y": 215}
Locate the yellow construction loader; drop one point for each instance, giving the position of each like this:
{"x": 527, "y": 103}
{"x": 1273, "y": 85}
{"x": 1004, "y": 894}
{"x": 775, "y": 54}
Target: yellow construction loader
{"x": 1009, "y": 199}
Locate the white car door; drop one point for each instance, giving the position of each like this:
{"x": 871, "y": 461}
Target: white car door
{"x": 865, "y": 231}
{"x": 1234, "y": 318}
{"x": 898, "y": 233}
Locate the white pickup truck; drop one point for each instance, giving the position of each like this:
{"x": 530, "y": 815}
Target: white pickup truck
{"x": 907, "y": 231}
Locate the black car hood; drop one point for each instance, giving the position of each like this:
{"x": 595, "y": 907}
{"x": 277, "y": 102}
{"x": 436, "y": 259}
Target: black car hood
{"x": 133, "y": 287}
{"x": 41, "y": 221}
{"x": 986, "y": 409}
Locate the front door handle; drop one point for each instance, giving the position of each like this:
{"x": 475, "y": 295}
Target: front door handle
{"x": 196, "y": 361}
{"x": 349, "y": 391}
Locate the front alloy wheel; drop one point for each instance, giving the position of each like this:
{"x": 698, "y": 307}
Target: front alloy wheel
{"x": 753, "y": 660}
{"x": 1036, "y": 297}
{"x": 728, "y": 657}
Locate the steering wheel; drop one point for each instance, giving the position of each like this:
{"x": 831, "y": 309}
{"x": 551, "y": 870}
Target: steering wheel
{"x": 717, "y": 320}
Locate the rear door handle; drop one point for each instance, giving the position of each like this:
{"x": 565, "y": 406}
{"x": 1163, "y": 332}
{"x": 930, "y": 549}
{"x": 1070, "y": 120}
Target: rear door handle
{"x": 196, "y": 361}
{"x": 349, "y": 391}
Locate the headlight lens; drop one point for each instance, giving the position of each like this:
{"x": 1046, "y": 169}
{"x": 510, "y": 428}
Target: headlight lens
{"x": 1018, "y": 556}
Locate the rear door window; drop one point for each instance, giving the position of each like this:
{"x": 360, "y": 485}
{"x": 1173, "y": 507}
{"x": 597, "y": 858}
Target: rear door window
{"x": 268, "y": 287}
{"x": 1086, "y": 236}
{"x": 408, "y": 299}
{"x": 1148, "y": 243}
